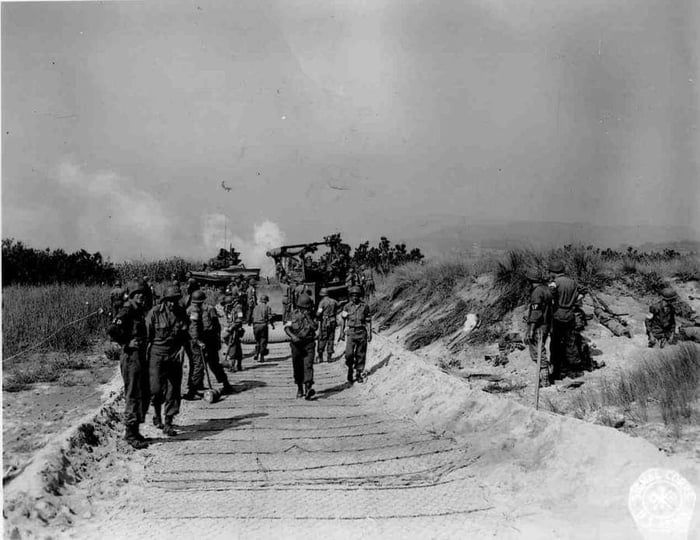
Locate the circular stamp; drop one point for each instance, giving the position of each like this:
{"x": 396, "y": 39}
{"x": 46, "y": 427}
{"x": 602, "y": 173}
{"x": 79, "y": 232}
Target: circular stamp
{"x": 662, "y": 500}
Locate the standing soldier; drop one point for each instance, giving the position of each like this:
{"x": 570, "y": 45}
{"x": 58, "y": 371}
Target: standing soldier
{"x": 116, "y": 297}
{"x": 196, "y": 348}
{"x": 357, "y": 320}
{"x": 327, "y": 314}
{"x": 261, "y": 317}
{"x": 251, "y": 299}
{"x": 243, "y": 298}
{"x": 539, "y": 321}
{"x": 129, "y": 330}
{"x": 301, "y": 329}
{"x": 166, "y": 330}
{"x": 368, "y": 283}
{"x": 233, "y": 332}
{"x": 562, "y": 347}
{"x": 660, "y": 323}
{"x": 211, "y": 338}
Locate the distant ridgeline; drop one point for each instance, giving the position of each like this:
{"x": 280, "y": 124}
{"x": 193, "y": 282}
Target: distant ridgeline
{"x": 23, "y": 265}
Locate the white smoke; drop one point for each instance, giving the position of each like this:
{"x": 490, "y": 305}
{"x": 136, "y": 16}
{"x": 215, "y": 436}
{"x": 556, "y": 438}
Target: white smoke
{"x": 266, "y": 235}
{"x": 110, "y": 213}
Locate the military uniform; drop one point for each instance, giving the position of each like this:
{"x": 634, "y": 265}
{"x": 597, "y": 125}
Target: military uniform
{"x": 196, "y": 350}
{"x": 539, "y": 320}
{"x": 261, "y": 318}
{"x": 252, "y": 301}
{"x": 129, "y": 330}
{"x": 211, "y": 337}
{"x": 355, "y": 317}
{"x": 563, "y": 348}
{"x": 166, "y": 331}
{"x": 660, "y": 324}
{"x": 302, "y": 325}
{"x": 232, "y": 335}
{"x": 327, "y": 314}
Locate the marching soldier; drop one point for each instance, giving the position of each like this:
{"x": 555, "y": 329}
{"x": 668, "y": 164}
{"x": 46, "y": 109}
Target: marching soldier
{"x": 539, "y": 321}
{"x": 358, "y": 323}
{"x": 261, "y": 318}
{"x": 327, "y": 314}
{"x": 660, "y": 323}
{"x": 301, "y": 329}
{"x": 129, "y": 330}
{"x": 166, "y": 331}
{"x": 368, "y": 283}
{"x": 211, "y": 338}
{"x": 251, "y": 299}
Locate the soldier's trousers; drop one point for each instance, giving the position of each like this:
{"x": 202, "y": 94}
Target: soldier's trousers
{"x": 303, "y": 361}
{"x": 326, "y": 341}
{"x": 195, "y": 376}
{"x": 212, "y": 360}
{"x": 234, "y": 351}
{"x": 260, "y": 333}
{"x": 563, "y": 348}
{"x": 134, "y": 368}
{"x": 356, "y": 348}
{"x": 540, "y": 338}
{"x": 166, "y": 378}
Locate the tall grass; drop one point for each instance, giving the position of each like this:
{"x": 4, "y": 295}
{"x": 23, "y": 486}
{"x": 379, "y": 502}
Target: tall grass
{"x": 30, "y": 314}
{"x": 669, "y": 380}
{"x": 159, "y": 270}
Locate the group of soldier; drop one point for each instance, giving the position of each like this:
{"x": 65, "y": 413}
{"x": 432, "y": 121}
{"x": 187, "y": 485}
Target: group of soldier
{"x": 555, "y": 312}
{"x": 154, "y": 337}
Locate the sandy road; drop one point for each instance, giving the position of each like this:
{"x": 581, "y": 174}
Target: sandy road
{"x": 261, "y": 463}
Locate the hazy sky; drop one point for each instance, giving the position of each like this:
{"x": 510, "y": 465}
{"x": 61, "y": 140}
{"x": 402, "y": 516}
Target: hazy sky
{"x": 120, "y": 120}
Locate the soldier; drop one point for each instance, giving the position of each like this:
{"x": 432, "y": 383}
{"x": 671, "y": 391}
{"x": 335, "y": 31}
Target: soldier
{"x": 539, "y": 322}
{"x": 233, "y": 332}
{"x": 564, "y": 355}
{"x": 150, "y": 294}
{"x": 116, "y": 297}
{"x": 166, "y": 331}
{"x": 191, "y": 286}
{"x": 211, "y": 337}
{"x": 660, "y": 323}
{"x": 301, "y": 329}
{"x": 356, "y": 318}
{"x": 368, "y": 283}
{"x": 251, "y": 299}
{"x": 196, "y": 348}
{"x": 243, "y": 298}
{"x": 327, "y": 314}
{"x": 261, "y": 317}
{"x": 128, "y": 329}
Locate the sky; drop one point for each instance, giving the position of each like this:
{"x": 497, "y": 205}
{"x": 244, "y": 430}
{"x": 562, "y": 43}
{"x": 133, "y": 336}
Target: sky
{"x": 121, "y": 120}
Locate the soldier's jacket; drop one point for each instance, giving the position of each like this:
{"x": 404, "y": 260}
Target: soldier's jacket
{"x": 234, "y": 324}
{"x": 166, "y": 328}
{"x": 302, "y": 325}
{"x": 262, "y": 314}
{"x": 211, "y": 327}
{"x": 540, "y": 308}
{"x": 327, "y": 311}
{"x": 195, "y": 328}
{"x": 565, "y": 293}
{"x": 356, "y": 315}
{"x": 128, "y": 324}
{"x": 662, "y": 317}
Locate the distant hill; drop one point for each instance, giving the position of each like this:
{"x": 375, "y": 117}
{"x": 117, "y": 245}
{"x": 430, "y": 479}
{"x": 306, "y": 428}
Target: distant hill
{"x": 454, "y": 236}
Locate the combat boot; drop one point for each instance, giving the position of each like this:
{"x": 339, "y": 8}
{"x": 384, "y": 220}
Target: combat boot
{"x": 360, "y": 377}
{"x": 168, "y": 428}
{"x": 131, "y": 438}
{"x": 157, "y": 419}
{"x": 300, "y": 390}
{"x": 310, "y": 392}
{"x": 350, "y": 377}
{"x": 227, "y": 388}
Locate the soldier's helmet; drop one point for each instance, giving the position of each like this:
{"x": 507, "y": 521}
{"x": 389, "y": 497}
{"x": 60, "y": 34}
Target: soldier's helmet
{"x": 556, "y": 266}
{"x": 171, "y": 293}
{"x": 323, "y": 292}
{"x": 304, "y": 301}
{"x": 228, "y": 299}
{"x": 264, "y": 298}
{"x": 137, "y": 286}
{"x": 668, "y": 293}
{"x": 532, "y": 275}
{"x": 355, "y": 290}
{"x": 198, "y": 297}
